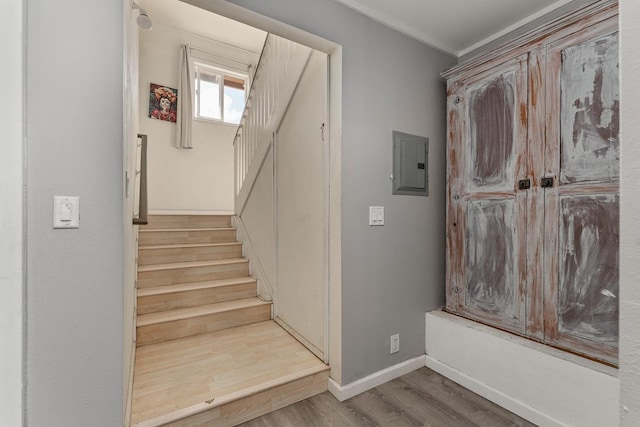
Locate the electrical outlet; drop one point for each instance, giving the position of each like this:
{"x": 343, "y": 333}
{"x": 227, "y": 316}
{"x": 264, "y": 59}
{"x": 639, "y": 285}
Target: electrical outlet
{"x": 395, "y": 343}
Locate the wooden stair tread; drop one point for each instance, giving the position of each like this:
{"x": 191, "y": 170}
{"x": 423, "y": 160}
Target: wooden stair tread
{"x": 187, "y": 376}
{"x": 169, "y": 289}
{"x": 162, "y": 230}
{"x": 188, "y": 264}
{"x": 184, "y": 220}
{"x": 203, "y": 310}
{"x": 206, "y": 352}
{"x": 173, "y": 236}
{"x": 189, "y": 245}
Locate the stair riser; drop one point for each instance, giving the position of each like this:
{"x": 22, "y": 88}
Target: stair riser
{"x": 162, "y": 256}
{"x": 192, "y": 274}
{"x": 259, "y": 404}
{"x": 147, "y": 238}
{"x": 188, "y": 221}
{"x": 161, "y": 332}
{"x": 155, "y": 303}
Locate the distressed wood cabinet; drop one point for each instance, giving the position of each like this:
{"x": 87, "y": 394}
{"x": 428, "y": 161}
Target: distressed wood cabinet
{"x": 532, "y": 197}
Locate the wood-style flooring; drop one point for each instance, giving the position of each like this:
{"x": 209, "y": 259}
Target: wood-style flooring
{"x": 420, "y": 398}
{"x": 189, "y": 375}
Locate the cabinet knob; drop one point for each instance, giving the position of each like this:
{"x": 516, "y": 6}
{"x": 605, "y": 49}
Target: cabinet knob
{"x": 546, "y": 182}
{"x": 524, "y": 184}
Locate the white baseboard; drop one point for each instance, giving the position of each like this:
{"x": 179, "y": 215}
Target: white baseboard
{"x": 302, "y": 340}
{"x": 187, "y": 212}
{"x": 519, "y": 408}
{"x": 129, "y": 398}
{"x": 544, "y": 385}
{"x": 344, "y": 392}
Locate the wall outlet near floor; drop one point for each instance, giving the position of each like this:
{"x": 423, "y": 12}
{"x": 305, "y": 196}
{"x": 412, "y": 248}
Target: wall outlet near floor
{"x": 395, "y": 343}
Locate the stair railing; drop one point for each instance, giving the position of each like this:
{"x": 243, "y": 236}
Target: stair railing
{"x": 277, "y": 74}
{"x": 141, "y": 209}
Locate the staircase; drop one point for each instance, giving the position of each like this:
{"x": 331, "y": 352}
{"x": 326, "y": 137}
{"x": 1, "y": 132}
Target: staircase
{"x": 208, "y": 352}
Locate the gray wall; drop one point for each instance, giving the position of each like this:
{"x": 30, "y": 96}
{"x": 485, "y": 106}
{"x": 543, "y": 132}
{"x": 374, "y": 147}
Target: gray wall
{"x": 74, "y": 148}
{"x": 393, "y": 274}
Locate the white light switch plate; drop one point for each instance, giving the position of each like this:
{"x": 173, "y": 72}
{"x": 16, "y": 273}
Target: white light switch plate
{"x": 376, "y": 215}
{"x": 66, "y": 212}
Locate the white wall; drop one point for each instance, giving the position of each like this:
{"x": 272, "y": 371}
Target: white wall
{"x": 200, "y": 179}
{"x": 301, "y": 209}
{"x": 630, "y": 215}
{"x": 258, "y": 219}
{"x": 11, "y": 208}
{"x": 548, "y": 387}
{"x": 74, "y": 73}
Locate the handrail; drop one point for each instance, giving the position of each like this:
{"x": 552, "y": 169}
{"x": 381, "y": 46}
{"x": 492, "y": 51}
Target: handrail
{"x": 142, "y": 218}
{"x": 276, "y": 77}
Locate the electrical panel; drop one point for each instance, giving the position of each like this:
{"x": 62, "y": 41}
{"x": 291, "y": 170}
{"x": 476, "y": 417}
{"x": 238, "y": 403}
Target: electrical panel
{"x": 410, "y": 164}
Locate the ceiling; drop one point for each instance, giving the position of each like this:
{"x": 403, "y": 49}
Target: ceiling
{"x": 454, "y": 26}
{"x": 185, "y": 17}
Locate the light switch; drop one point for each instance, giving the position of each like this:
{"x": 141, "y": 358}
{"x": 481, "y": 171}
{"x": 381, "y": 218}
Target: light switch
{"x": 376, "y": 215}
{"x": 66, "y": 212}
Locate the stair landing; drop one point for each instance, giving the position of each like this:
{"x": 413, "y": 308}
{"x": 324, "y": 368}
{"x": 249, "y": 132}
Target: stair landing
{"x": 223, "y": 378}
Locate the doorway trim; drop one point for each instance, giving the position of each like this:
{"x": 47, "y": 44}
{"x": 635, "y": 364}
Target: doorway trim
{"x": 12, "y": 227}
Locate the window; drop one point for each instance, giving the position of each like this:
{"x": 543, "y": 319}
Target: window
{"x": 219, "y": 94}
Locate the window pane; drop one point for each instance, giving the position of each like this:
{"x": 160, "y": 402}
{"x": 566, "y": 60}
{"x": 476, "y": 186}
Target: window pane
{"x": 209, "y": 96}
{"x": 233, "y": 104}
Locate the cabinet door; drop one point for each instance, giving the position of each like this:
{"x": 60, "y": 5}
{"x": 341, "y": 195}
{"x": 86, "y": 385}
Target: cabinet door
{"x": 582, "y": 231}
{"x": 486, "y": 235}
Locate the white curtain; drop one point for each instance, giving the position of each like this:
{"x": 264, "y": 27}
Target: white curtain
{"x": 185, "y": 101}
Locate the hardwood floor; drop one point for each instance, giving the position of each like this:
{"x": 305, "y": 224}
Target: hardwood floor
{"x": 421, "y": 398}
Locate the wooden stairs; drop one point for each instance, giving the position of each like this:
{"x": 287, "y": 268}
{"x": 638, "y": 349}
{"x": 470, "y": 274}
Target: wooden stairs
{"x": 208, "y": 353}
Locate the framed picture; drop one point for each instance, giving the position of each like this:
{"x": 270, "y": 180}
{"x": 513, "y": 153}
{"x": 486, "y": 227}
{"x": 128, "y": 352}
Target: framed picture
{"x": 163, "y": 103}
